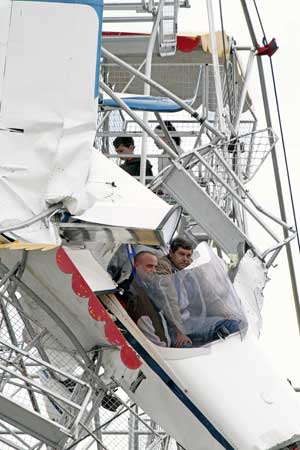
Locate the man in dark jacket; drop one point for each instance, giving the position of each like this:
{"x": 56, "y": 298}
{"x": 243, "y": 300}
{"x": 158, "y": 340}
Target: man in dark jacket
{"x": 125, "y": 145}
{"x": 139, "y": 306}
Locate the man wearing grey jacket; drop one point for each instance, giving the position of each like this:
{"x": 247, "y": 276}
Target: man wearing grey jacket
{"x": 179, "y": 257}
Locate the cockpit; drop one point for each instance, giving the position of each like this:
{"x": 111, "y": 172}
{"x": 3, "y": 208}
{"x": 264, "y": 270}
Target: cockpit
{"x": 184, "y": 308}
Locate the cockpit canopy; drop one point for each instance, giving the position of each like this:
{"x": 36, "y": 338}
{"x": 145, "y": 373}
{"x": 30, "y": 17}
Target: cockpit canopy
{"x": 199, "y": 301}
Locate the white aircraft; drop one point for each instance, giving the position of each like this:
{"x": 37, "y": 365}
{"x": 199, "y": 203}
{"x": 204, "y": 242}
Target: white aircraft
{"x": 66, "y": 209}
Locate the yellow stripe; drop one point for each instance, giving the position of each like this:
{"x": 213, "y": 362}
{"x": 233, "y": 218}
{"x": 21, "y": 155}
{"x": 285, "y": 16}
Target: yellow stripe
{"x": 18, "y": 245}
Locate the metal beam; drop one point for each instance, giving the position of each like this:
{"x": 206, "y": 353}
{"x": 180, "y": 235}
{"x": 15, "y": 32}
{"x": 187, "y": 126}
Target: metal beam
{"x": 22, "y": 418}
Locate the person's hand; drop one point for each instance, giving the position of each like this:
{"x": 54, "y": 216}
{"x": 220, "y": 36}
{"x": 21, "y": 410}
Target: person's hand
{"x": 182, "y": 339}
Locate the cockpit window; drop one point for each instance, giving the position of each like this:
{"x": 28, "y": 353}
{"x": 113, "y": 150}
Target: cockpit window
{"x": 199, "y": 301}
{"x": 189, "y": 308}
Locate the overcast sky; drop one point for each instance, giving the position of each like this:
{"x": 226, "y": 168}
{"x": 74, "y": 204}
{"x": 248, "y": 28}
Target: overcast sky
{"x": 280, "y": 333}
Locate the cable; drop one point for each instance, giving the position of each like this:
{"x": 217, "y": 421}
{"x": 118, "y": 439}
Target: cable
{"x": 260, "y": 21}
{"x": 281, "y": 131}
{"x": 44, "y": 214}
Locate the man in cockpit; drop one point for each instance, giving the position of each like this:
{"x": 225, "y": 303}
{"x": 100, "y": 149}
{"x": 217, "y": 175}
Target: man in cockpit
{"x": 195, "y": 301}
{"x": 179, "y": 257}
{"x": 138, "y": 304}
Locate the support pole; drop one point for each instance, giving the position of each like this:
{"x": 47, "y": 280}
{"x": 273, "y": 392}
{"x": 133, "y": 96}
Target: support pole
{"x": 217, "y": 77}
{"x": 244, "y": 90}
{"x": 148, "y": 66}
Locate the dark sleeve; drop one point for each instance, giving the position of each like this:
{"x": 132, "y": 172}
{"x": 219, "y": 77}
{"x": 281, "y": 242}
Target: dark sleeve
{"x": 131, "y": 169}
{"x": 149, "y": 172}
{"x": 131, "y": 306}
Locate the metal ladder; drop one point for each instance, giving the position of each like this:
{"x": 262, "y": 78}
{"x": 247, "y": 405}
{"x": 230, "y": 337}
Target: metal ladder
{"x": 168, "y": 28}
{"x": 183, "y": 187}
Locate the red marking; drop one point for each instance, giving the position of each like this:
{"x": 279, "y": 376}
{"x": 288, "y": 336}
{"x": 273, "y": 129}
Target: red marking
{"x": 64, "y": 262}
{"x": 114, "y": 338}
{"x": 97, "y": 310}
{"x": 268, "y": 49}
{"x": 185, "y": 44}
{"x": 129, "y": 357}
{"x": 79, "y": 286}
